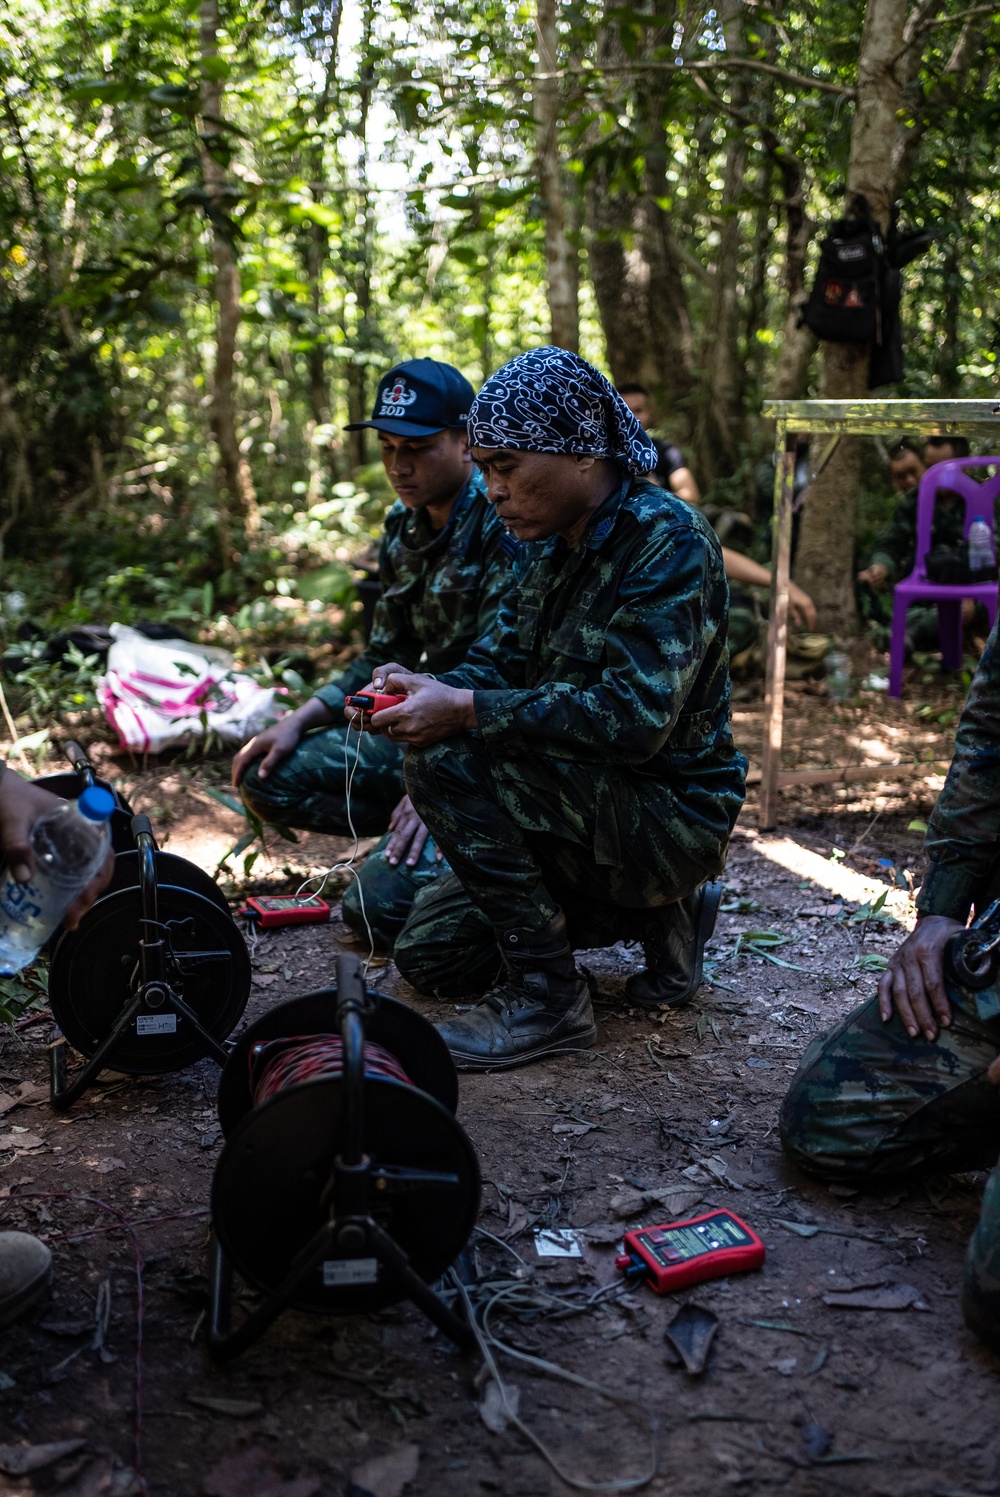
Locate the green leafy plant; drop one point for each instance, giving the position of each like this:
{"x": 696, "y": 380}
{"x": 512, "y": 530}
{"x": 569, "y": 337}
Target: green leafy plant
{"x": 762, "y": 943}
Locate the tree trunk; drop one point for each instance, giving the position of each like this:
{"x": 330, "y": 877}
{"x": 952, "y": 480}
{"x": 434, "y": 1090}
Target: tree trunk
{"x": 719, "y": 424}
{"x": 798, "y": 344}
{"x": 234, "y": 468}
{"x": 825, "y": 562}
{"x": 560, "y": 255}
{"x": 364, "y": 333}
{"x": 635, "y": 263}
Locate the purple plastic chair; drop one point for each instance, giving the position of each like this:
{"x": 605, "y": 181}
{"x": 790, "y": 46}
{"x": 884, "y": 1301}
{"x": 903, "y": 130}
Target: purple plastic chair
{"x": 917, "y": 588}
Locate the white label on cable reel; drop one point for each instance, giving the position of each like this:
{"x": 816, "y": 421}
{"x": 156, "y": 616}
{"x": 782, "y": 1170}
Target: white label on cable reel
{"x": 156, "y": 1024}
{"x": 340, "y": 1271}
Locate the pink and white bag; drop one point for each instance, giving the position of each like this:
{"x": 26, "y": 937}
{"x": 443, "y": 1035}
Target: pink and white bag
{"x": 158, "y": 692}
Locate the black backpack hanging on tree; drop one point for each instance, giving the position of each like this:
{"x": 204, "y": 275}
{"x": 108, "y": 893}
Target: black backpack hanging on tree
{"x": 856, "y": 295}
{"x": 845, "y": 303}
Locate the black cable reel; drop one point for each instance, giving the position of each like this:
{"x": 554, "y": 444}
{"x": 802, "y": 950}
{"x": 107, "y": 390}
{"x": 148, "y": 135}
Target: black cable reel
{"x": 972, "y": 956}
{"x": 156, "y": 976}
{"x": 346, "y": 1184}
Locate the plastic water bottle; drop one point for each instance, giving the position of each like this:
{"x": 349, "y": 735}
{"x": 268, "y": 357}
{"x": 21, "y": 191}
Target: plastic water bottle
{"x": 838, "y": 675}
{"x": 70, "y": 843}
{"x": 981, "y": 553}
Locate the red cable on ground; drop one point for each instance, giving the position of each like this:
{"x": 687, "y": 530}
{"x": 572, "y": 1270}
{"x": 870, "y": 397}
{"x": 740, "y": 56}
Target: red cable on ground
{"x": 125, "y": 1225}
{"x": 278, "y": 1064}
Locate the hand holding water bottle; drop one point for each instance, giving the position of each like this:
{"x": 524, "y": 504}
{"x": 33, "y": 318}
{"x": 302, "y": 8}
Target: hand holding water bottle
{"x": 22, "y": 806}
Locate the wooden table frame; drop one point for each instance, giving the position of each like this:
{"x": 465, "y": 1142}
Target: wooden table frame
{"x": 833, "y": 418}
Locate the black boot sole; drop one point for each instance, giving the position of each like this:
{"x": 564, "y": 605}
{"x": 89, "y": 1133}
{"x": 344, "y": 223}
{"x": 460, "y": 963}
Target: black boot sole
{"x": 585, "y": 1040}
{"x": 707, "y": 916}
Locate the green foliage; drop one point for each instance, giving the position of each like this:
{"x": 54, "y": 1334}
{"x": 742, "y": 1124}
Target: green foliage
{"x": 378, "y": 190}
{"x": 24, "y": 992}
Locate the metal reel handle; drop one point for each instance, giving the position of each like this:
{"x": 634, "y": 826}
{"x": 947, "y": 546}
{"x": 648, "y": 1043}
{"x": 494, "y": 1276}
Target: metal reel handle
{"x": 80, "y": 763}
{"x": 142, "y": 827}
{"x": 974, "y": 963}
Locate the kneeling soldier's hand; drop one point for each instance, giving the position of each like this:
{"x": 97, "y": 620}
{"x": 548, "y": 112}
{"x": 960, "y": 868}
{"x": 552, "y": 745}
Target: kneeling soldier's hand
{"x": 432, "y": 711}
{"x": 913, "y": 982}
{"x": 409, "y": 835}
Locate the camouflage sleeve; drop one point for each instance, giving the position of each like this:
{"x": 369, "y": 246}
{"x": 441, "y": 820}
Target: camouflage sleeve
{"x": 392, "y": 638}
{"x": 495, "y": 661}
{"x": 673, "y": 602}
{"x": 896, "y": 547}
{"x": 497, "y": 583}
{"x": 963, "y": 836}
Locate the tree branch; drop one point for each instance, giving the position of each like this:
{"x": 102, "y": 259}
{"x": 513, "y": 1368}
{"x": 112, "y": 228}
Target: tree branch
{"x": 709, "y": 65}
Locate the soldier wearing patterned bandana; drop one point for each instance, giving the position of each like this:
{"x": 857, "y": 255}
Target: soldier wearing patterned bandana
{"x": 578, "y": 770}
{"x": 443, "y": 563}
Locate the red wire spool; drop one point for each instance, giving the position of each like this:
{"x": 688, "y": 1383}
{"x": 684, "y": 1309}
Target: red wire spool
{"x": 279, "y": 1064}
{"x": 283, "y": 1105}
{"x": 393, "y": 1025}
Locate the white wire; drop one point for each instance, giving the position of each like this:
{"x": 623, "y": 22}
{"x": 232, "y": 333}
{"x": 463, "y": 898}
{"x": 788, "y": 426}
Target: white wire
{"x": 486, "y": 1341}
{"x": 350, "y": 770}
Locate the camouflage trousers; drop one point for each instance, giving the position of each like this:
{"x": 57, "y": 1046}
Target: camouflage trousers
{"x": 381, "y": 897}
{"x": 870, "y": 1103}
{"x": 308, "y": 790}
{"x": 528, "y": 836}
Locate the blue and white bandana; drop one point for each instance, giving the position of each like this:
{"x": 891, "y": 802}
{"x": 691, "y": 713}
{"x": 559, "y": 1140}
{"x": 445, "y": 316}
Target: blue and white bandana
{"x": 551, "y": 400}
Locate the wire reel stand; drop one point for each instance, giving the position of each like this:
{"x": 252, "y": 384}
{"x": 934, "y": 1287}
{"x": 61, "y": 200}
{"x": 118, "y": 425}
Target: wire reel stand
{"x": 155, "y": 977}
{"x": 345, "y": 1193}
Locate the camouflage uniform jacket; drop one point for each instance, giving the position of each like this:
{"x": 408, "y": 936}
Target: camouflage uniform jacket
{"x": 896, "y": 547}
{"x": 963, "y": 835}
{"x": 616, "y": 653}
{"x": 440, "y": 590}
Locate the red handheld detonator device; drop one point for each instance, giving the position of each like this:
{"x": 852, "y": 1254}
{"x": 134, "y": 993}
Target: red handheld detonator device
{"x": 270, "y": 910}
{"x": 375, "y": 701}
{"x": 676, "y": 1254}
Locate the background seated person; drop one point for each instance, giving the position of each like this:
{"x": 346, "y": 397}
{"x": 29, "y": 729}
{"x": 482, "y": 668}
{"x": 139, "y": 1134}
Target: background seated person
{"x": 443, "y": 566}
{"x": 895, "y": 552}
{"x": 671, "y": 471}
{"x": 908, "y": 1084}
{"x": 744, "y": 612}
{"x": 578, "y": 771}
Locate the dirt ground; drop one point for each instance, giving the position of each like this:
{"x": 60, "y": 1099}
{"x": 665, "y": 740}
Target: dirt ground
{"x": 799, "y": 1394}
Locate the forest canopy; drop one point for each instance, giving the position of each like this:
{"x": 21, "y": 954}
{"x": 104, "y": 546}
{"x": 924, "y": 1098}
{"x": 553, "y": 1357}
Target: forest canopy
{"x": 219, "y": 221}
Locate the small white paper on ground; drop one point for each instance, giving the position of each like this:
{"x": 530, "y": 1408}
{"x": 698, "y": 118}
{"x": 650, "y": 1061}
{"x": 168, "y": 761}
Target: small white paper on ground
{"x": 557, "y": 1242}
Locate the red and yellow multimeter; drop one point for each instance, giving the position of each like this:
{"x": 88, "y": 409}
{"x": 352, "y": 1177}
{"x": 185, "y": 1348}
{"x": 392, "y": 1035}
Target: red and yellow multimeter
{"x": 676, "y": 1254}
{"x": 270, "y": 910}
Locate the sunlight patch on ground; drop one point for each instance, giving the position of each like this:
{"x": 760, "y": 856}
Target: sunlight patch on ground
{"x": 831, "y": 875}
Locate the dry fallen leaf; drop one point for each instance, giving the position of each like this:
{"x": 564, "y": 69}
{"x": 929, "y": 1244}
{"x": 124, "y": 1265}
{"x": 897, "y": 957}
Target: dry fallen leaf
{"x": 880, "y": 1297}
{"x": 673, "y": 1201}
{"x": 249, "y": 1473}
{"x": 517, "y": 1219}
{"x": 18, "y": 1460}
{"x": 491, "y": 1406}
{"x": 21, "y": 1141}
{"x": 235, "y": 1408}
{"x": 387, "y": 1475}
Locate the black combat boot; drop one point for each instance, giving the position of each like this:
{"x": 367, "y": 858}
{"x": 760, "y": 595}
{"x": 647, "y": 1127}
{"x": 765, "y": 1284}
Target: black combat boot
{"x": 541, "y": 1007}
{"x": 674, "y": 949}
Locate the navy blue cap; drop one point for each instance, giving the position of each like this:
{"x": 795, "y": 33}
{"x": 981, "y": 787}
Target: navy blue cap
{"x": 419, "y": 398}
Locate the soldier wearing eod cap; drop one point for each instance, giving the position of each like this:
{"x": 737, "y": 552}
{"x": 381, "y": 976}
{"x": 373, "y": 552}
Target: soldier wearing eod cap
{"x": 443, "y": 567}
